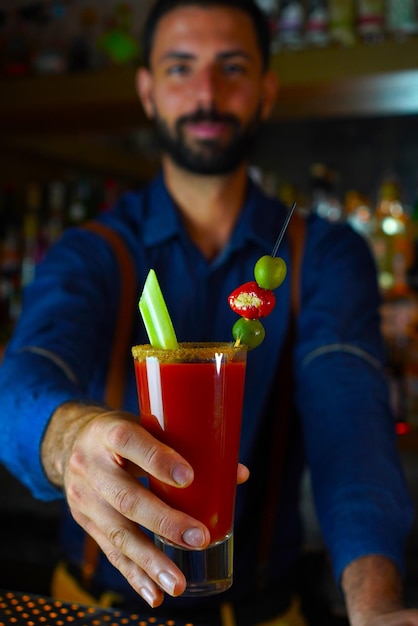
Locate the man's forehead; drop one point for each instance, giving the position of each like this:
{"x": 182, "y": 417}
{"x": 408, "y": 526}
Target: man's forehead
{"x": 190, "y": 27}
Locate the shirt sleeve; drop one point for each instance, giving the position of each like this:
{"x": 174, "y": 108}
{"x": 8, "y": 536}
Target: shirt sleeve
{"x": 359, "y": 489}
{"x": 64, "y": 330}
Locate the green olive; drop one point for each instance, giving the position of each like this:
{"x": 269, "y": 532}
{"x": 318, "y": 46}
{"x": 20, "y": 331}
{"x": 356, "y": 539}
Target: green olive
{"x": 250, "y": 332}
{"x": 270, "y": 272}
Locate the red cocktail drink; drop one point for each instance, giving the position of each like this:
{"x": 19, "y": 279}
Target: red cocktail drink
{"x": 191, "y": 399}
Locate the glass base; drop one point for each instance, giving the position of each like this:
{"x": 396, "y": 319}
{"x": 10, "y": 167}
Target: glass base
{"x": 207, "y": 571}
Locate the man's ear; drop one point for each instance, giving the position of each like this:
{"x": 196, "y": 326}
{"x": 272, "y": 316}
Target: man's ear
{"x": 270, "y": 91}
{"x": 143, "y": 88}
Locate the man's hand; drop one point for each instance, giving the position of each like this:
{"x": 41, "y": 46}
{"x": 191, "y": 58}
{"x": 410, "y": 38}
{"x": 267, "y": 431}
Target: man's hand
{"x": 406, "y": 617}
{"x": 373, "y": 592}
{"x": 96, "y": 456}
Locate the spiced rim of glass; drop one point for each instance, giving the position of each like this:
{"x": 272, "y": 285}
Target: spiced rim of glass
{"x": 189, "y": 350}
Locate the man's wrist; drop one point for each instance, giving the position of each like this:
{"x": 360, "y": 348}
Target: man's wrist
{"x": 60, "y": 435}
{"x": 372, "y": 586}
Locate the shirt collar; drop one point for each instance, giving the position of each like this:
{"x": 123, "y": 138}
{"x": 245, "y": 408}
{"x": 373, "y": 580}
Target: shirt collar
{"x": 257, "y": 222}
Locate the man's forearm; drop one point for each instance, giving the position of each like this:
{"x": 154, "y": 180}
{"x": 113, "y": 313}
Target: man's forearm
{"x": 372, "y": 586}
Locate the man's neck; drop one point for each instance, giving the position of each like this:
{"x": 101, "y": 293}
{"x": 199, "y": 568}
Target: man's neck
{"x": 209, "y": 205}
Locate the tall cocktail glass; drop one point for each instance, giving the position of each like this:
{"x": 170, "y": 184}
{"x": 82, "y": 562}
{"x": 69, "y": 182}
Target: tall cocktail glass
{"x": 191, "y": 399}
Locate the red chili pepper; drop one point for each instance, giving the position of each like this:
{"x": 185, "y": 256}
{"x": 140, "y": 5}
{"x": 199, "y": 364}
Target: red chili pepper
{"x": 252, "y": 301}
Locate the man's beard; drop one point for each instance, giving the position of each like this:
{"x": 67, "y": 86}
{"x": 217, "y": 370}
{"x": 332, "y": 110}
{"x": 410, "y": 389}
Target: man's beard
{"x": 208, "y": 157}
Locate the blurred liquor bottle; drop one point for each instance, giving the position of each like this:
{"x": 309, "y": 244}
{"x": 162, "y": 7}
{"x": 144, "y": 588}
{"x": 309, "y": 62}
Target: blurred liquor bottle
{"x": 401, "y": 18}
{"x": 317, "y": 23}
{"x": 392, "y": 239}
{"x": 109, "y": 194}
{"x": 371, "y": 20}
{"x": 342, "y": 19}
{"x": 80, "y": 207}
{"x": 325, "y": 201}
{"x": 51, "y": 55}
{"x": 56, "y": 202}
{"x": 31, "y": 233}
{"x": 399, "y": 318}
{"x": 291, "y": 24}
{"x": 413, "y": 270}
{"x": 10, "y": 261}
{"x": 359, "y": 213}
{"x": 393, "y": 246}
{"x": 15, "y": 49}
{"x": 82, "y": 53}
{"x": 289, "y": 193}
{"x": 118, "y": 43}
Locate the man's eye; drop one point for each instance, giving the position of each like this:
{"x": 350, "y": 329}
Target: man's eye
{"x": 234, "y": 68}
{"x": 179, "y": 69}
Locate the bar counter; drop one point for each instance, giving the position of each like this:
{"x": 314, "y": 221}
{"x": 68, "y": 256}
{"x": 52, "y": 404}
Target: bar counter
{"x": 26, "y": 609}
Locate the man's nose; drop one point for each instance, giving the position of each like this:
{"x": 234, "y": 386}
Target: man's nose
{"x": 206, "y": 86}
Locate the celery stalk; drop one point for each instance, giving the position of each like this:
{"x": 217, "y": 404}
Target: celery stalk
{"x": 155, "y": 315}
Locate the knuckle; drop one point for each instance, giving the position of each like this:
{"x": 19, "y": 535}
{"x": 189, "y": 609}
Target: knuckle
{"x": 116, "y": 558}
{"x": 126, "y": 502}
{"x": 132, "y": 577}
{"x": 120, "y": 434}
{"x": 153, "y": 456}
{"x": 76, "y": 461}
{"x": 118, "y": 537}
{"x": 165, "y": 526}
{"x": 147, "y": 563}
{"x": 159, "y": 458}
{"x": 73, "y": 493}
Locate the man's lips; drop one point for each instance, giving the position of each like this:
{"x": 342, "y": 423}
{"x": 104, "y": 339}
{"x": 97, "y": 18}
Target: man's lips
{"x": 208, "y": 129}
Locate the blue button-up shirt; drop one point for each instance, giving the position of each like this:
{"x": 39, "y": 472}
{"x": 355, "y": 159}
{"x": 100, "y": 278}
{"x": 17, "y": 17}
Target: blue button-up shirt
{"x": 61, "y": 348}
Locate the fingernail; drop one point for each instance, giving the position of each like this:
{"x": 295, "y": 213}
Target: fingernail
{"x": 148, "y": 596}
{"x": 167, "y": 582}
{"x": 194, "y": 537}
{"x": 182, "y": 474}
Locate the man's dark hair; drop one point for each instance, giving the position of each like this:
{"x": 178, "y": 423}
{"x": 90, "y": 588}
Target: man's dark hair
{"x": 161, "y": 7}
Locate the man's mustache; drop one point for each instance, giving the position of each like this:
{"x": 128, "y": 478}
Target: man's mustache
{"x": 202, "y": 115}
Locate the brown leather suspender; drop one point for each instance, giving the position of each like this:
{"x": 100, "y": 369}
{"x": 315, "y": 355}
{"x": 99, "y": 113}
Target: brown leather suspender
{"x": 116, "y": 378}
